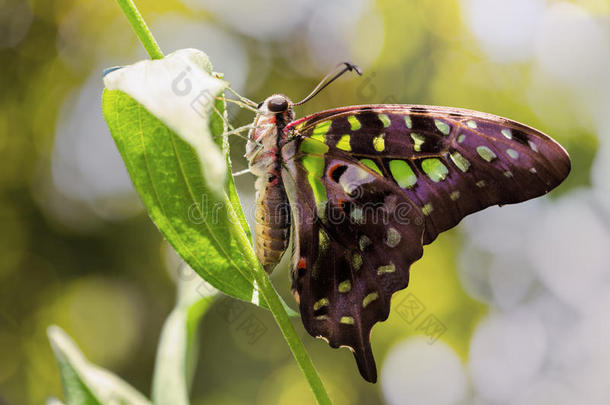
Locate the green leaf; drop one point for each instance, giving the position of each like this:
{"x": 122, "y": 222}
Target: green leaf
{"x": 177, "y": 351}
{"x": 169, "y": 173}
{"x": 85, "y": 383}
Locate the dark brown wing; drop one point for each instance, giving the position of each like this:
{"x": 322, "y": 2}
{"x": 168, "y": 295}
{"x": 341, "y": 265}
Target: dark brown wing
{"x": 355, "y": 236}
{"x": 433, "y": 165}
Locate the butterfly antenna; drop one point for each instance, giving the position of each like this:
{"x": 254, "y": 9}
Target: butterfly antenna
{"x": 335, "y": 73}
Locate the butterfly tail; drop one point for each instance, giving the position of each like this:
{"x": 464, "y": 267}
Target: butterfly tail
{"x": 366, "y": 362}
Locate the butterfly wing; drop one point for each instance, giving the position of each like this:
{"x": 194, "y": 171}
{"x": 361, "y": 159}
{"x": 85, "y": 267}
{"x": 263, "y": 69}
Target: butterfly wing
{"x": 442, "y": 163}
{"x": 355, "y": 236}
{"x": 451, "y": 162}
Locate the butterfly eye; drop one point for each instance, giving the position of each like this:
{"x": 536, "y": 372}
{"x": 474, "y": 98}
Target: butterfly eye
{"x": 277, "y": 104}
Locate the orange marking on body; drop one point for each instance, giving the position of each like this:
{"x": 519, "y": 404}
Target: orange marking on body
{"x": 302, "y": 263}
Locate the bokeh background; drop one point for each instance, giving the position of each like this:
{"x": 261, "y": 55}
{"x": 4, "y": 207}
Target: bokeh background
{"x": 510, "y": 307}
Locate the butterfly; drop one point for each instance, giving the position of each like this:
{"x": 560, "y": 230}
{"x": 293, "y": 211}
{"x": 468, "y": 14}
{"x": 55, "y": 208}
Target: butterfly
{"x": 361, "y": 189}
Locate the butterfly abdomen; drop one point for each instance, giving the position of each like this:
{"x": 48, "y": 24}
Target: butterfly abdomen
{"x": 272, "y": 210}
{"x": 272, "y": 221}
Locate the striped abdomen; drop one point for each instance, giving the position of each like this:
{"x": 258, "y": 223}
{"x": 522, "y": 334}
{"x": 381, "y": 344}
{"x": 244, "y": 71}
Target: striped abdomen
{"x": 272, "y": 221}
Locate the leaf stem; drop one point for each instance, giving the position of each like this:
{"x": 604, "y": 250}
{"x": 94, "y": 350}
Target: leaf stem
{"x": 272, "y": 298}
{"x": 141, "y": 29}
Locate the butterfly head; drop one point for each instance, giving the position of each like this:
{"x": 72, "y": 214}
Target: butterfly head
{"x": 278, "y": 103}
{"x": 273, "y": 115}
{"x": 276, "y": 109}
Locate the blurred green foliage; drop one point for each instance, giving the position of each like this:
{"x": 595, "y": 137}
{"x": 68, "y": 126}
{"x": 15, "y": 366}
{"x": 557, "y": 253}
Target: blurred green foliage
{"x": 107, "y": 282}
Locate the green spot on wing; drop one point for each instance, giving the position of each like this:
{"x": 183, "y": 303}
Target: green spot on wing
{"x": 319, "y": 191}
{"x": 388, "y": 268}
{"x": 460, "y": 161}
{"x": 379, "y": 143}
{"x": 408, "y": 121}
{"x": 344, "y": 286}
{"x": 344, "y": 143}
{"x": 418, "y": 141}
{"x": 369, "y": 298}
{"x": 315, "y": 168}
{"x": 314, "y": 164}
{"x": 354, "y": 122}
{"x": 427, "y": 209}
{"x": 313, "y": 146}
{"x": 371, "y": 165}
{"x": 320, "y": 138}
{"x": 356, "y": 261}
{"x": 321, "y": 128}
{"x": 364, "y": 242}
{"x": 486, "y": 153}
{"x": 320, "y": 303}
{"x": 347, "y": 320}
{"x": 392, "y": 237}
{"x": 512, "y": 153}
{"x": 323, "y": 241}
{"x": 435, "y": 169}
{"x": 385, "y": 120}
{"x": 442, "y": 126}
{"x": 402, "y": 173}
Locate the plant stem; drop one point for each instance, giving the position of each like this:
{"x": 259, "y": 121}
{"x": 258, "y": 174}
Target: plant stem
{"x": 282, "y": 319}
{"x": 141, "y": 29}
